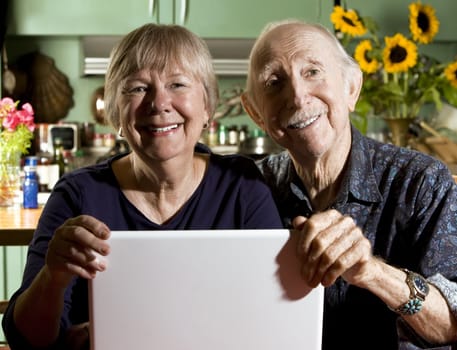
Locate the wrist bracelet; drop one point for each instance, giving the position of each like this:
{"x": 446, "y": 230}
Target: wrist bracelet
{"x": 419, "y": 289}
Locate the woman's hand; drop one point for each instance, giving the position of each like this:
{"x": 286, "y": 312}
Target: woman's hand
{"x": 72, "y": 250}
{"x": 331, "y": 245}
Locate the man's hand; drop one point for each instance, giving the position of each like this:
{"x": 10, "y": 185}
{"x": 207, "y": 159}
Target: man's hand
{"x": 331, "y": 245}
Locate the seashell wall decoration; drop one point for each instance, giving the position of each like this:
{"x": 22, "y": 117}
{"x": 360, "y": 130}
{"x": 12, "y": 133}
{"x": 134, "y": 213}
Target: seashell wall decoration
{"x": 47, "y": 88}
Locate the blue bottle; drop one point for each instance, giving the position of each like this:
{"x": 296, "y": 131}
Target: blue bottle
{"x": 30, "y": 188}
{"x": 31, "y": 161}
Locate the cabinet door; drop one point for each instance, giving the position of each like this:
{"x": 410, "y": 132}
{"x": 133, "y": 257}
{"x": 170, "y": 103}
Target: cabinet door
{"x": 244, "y": 19}
{"x": 79, "y": 17}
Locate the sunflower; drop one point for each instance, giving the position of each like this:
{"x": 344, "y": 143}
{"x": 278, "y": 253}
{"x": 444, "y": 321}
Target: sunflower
{"x": 423, "y": 23}
{"x": 363, "y": 56}
{"x": 347, "y": 22}
{"x": 451, "y": 73}
{"x": 400, "y": 54}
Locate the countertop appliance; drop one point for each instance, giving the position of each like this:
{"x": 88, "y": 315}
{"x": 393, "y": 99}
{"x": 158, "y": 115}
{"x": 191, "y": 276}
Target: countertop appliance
{"x": 68, "y": 133}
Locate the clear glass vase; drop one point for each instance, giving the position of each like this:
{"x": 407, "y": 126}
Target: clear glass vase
{"x": 10, "y": 178}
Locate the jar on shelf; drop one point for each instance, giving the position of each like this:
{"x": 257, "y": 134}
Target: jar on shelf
{"x": 212, "y": 136}
{"x": 243, "y": 133}
{"x": 109, "y": 140}
{"x": 98, "y": 140}
{"x": 232, "y": 132}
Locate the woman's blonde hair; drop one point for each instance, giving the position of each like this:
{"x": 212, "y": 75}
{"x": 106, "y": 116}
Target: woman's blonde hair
{"x": 158, "y": 47}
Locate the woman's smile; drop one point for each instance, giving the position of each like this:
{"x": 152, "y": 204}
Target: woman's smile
{"x": 162, "y": 130}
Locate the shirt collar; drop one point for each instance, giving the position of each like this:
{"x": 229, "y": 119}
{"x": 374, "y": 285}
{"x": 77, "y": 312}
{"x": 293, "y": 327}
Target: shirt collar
{"x": 358, "y": 180}
{"x": 359, "y": 176}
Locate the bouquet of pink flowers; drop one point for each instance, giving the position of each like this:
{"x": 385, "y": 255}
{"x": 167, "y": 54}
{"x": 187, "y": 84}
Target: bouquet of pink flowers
{"x": 16, "y": 127}
{"x": 16, "y": 133}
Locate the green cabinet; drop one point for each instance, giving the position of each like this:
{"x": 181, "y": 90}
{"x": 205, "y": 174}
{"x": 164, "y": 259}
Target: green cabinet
{"x": 241, "y": 18}
{"x": 79, "y": 17}
{"x": 208, "y": 18}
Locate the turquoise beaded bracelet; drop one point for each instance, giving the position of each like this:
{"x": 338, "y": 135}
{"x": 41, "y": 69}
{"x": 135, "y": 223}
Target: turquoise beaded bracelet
{"x": 411, "y": 307}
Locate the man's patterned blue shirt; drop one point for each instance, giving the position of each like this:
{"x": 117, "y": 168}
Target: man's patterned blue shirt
{"x": 406, "y": 204}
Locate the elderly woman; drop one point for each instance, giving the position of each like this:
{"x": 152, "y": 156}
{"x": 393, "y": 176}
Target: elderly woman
{"x": 161, "y": 92}
{"x": 378, "y": 222}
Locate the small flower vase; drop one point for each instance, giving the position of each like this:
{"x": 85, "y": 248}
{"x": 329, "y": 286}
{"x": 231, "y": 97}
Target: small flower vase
{"x": 10, "y": 178}
{"x": 399, "y": 129}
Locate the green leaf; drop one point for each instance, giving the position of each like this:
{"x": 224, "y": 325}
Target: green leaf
{"x": 450, "y": 94}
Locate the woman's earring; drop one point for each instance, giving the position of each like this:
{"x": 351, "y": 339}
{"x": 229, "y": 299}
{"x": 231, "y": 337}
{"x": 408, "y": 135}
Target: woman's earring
{"x": 119, "y": 132}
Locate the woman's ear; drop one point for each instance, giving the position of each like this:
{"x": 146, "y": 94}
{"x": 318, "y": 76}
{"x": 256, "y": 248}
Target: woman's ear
{"x": 250, "y": 109}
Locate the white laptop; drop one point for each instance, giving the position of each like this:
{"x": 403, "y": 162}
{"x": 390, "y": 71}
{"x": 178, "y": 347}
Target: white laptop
{"x": 204, "y": 290}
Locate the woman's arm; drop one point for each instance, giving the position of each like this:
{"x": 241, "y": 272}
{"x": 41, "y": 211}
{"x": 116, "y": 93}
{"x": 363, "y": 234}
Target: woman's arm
{"x": 38, "y": 310}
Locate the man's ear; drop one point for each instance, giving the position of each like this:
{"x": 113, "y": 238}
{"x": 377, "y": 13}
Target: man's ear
{"x": 249, "y": 108}
{"x": 355, "y": 86}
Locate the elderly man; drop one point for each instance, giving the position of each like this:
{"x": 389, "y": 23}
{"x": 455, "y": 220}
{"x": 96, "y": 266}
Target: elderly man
{"x": 378, "y": 223}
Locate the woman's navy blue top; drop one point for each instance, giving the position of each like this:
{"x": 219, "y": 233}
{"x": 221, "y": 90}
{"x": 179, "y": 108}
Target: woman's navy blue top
{"x": 232, "y": 195}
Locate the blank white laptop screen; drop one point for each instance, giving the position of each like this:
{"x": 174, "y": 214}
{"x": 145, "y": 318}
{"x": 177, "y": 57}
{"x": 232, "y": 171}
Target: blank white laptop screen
{"x": 204, "y": 290}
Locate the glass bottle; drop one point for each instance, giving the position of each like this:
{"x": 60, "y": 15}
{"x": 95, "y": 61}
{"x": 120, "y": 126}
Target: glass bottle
{"x": 44, "y": 159}
{"x": 222, "y": 135}
{"x": 59, "y": 158}
{"x": 57, "y": 166}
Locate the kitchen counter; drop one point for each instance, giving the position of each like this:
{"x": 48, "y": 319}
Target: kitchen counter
{"x": 17, "y": 225}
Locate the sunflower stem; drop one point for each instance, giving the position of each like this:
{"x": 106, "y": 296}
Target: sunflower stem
{"x": 404, "y": 111}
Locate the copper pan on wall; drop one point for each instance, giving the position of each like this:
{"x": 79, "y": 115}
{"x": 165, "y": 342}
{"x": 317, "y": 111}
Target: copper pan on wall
{"x": 97, "y": 105}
